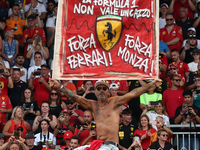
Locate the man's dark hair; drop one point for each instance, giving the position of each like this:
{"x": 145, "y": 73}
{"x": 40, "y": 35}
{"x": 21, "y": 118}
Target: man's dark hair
{"x": 38, "y": 53}
{"x": 172, "y": 77}
{"x": 15, "y": 5}
{"x": 169, "y": 14}
{"x": 87, "y": 81}
{"x": 160, "y": 131}
{"x": 187, "y": 92}
{"x": 184, "y": 7}
{"x": 174, "y": 50}
{"x": 76, "y": 138}
{"x": 197, "y": 76}
{"x": 126, "y": 111}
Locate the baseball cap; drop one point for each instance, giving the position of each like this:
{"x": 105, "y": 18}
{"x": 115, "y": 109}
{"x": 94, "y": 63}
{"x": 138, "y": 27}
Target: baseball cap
{"x": 69, "y": 100}
{"x": 17, "y": 126}
{"x": 99, "y": 82}
{"x": 8, "y": 29}
{"x": 196, "y": 50}
{"x": 173, "y": 64}
{"x": 192, "y": 36}
{"x": 164, "y": 4}
{"x": 30, "y": 135}
{"x": 65, "y": 111}
{"x": 114, "y": 85}
{"x": 192, "y": 29}
{"x": 31, "y": 17}
{"x": 68, "y": 135}
{"x": 45, "y": 65}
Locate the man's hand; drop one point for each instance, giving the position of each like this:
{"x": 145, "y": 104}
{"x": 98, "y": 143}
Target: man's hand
{"x": 187, "y": 46}
{"x": 54, "y": 83}
{"x": 93, "y": 133}
{"x": 6, "y": 72}
{"x": 191, "y": 110}
{"x": 41, "y": 80}
{"x": 11, "y": 139}
{"x": 22, "y": 73}
{"x": 157, "y": 82}
{"x": 184, "y": 109}
{"x": 20, "y": 140}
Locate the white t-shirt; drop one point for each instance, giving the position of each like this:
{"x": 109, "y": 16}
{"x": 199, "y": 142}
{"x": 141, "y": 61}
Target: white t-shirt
{"x": 153, "y": 115}
{"x": 40, "y": 7}
{"x": 51, "y": 22}
{"x": 198, "y": 43}
{"x": 24, "y": 77}
{"x": 6, "y": 63}
{"x": 162, "y": 23}
{"x": 40, "y": 138}
{"x": 193, "y": 66}
{"x": 44, "y": 2}
{"x": 32, "y": 69}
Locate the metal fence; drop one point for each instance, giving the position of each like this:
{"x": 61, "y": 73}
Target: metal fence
{"x": 177, "y": 135}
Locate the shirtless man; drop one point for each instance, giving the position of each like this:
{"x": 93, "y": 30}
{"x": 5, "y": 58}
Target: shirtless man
{"x": 105, "y": 111}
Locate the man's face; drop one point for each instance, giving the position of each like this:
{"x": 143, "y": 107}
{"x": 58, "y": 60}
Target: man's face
{"x": 73, "y": 143}
{"x": 183, "y": 12}
{"x": 188, "y": 99}
{"x": 173, "y": 70}
{"x": 176, "y": 81}
{"x": 16, "y": 75}
{"x": 2, "y": 141}
{"x": 20, "y": 60}
{"x": 164, "y": 10}
{"x": 71, "y": 105}
{"x": 195, "y": 55}
{"x": 102, "y": 92}
{"x": 127, "y": 117}
{"x": 192, "y": 41}
{"x": 88, "y": 84}
{"x": 31, "y": 22}
{"x": 30, "y": 142}
{"x": 87, "y": 116}
{"x": 66, "y": 116}
{"x": 14, "y": 147}
{"x": 175, "y": 56}
{"x": 45, "y": 108}
{"x": 191, "y": 32}
{"x": 158, "y": 121}
{"x": 38, "y": 59}
{"x": 197, "y": 80}
{"x": 44, "y": 71}
{"x": 169, "y": 20}
{"x": 113, "y": 91}
{"x": 163, "y": 136}
{"x": 16, "y": 10}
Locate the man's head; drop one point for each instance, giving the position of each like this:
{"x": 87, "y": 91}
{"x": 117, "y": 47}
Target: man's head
{"x": 67, "y": 136}
{"x": 38, "y": 58}
{"x": 30, "y": 139}
{"x": 175, "y": 80}
{"x": 183, "y": 12}
{"x": 70, "y": 104}
{"x": 173, "y": 68}
{"x": 15, "y": 10}
{"x": 113, "y": 89}
{"x": 16, "y": 74}
{"x": 192, "y": 39}
{"x": 87, "y": 84}
{"x": 164, "y": 8}
{"x": 66, "y": 114}
{"x": 126, "y": 115}
{"x": 175, "y": 55}
{"x": 169, "y": 19}
{"x": 14, "y": 146}
{"x": 102, "y": 91}
{"x": 87, "y": 116}
{"x": 20, "y": 59}
{"x": 196, "y": 54}
{"x": 197, "y": 78}
{"x": 191, "y": 30}
{"x": 31, "y": 19}
{"x": 159, "y": 122}
{"x": 162, "y": 135}
{"x": 74, "y": 142}
{"x": 187, "y": 95}
{"x": 45, "y": 69}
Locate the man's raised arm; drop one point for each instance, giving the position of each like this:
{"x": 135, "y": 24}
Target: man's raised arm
{"x": 79, "y": 99}
{"x": 121, "y": 100}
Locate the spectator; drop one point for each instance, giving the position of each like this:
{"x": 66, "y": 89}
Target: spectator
{"x": 92, "y": 134}
{"x": 175, "y": 6}
{"x": 30, "y": 106}
{"x": 159, "y": 111}
{"x": 67, "y": 136}
{"x": 74, "y": 142}
{"x": 196, "y": 92}
{"x": 63, "y": 125}
{"x": 126, "y": 129}
{"x": 37, "y": 47}
{"x": 20, "y": 61}
{"x": 51, "y": 21}
{"x": 80, "y": 85}
{"x": 144, "y": 131}
{"x": 196, "y": 57}
{"x": 187, "y": 51}
{"x": 10, "y": 47}
{"x": 187, "y": 114}
{"x": 163, "y": 49}
{"x": 123, "y": 86}
{"x": 45, "y": 138}
{"x": 29, "y": 35}
{"x": 40, "y": 85}
{"x": 173, "y": 38}
{"x": 44, "y": 115}
{"x": 136, "y": 145}
{"x": 164, "y": 10}
{"x": 5, "y": 108}
{"x": 173, "y": 97}
{"x": 55, "y": 102}
{"x": 4, "y": 12}
{"x": 184, "y": 22}
{"x": 30, "y": 140}
{"x": 161, "y": 143}
{"x": 163, "y": 86}
{"x": 50, "y": 8}
{"x": 113, "y": 90}
{"x": 163, "y": 63}
{"x": 183, "y": 67}
{"x": 160, "y": 124}
{"x": 15, "y": 122}
{"x": 15, "y": 93}
{"x": 191, "y": 78}
{"x": 16, "y": 22}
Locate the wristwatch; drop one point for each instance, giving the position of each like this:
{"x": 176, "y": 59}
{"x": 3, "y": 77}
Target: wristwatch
{"x": 61, "y": 87}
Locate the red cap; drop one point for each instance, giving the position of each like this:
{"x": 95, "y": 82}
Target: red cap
{"x": 68, "y": 135}
{"x": 65, "y": 111}
{"x": 8, "y": 29}
{"x": 18, "y": 126}
{"x": 173, "y": 64}
{"x": 44, "y": 148}
{"x": 126, "y": 105}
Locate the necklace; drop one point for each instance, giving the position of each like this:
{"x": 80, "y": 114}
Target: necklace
{"x": 104, "y": 105}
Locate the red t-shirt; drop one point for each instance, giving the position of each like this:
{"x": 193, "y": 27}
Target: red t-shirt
{"x": 73, "y": 119}
{"x": 175, "y": 32}
{"x": 4, "y": 104}
{"x": 146, "y": 142}
{"x": 163, "y": 60}
{"x": 31, "y": 33}
{"x": 172, "y": 99}
{"x": 123, "y": 84}
{"x": 84, "y": 135}
{"x": 177, "y": 6}
{"x": 41, "y": 92}
{"x": 4, "y": 83}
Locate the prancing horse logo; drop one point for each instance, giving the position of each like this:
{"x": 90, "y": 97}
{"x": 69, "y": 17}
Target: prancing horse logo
{"x": 108, "y": 30}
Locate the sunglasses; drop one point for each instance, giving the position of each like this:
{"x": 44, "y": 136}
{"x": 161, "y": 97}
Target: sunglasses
{"x": 192, "y": 36}
{"x": 172, "y": 68}
{"x": 54, "y": 93}
{"x": 177, "y": 80}
{"x": 197, "y": 80}
{"x": 70, "y": 103}
{"x": 195, "y": 54}
{"x": 165, "y": 135}
{"x": 169, "y": 19}
{"x": 99, "y": 88}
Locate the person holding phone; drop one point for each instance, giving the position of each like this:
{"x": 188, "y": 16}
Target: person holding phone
{"x": 136, "y": 145}
{"x": 37, "y": 47}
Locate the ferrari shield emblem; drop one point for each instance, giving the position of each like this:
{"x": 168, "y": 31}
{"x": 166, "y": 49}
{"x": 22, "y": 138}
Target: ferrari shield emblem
{"x": 108, "y": 30}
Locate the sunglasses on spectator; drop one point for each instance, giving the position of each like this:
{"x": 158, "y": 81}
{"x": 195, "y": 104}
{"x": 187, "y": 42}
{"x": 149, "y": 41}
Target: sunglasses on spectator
{"x": 54, "y": 93}
{"x": 99, "y": 88}
{"x": 172, "y": 68}
{"x": 70, "y": 103}
{"x": 192, "y": 36}
{"x": 197, "y": 79}
{"x": 165, "y": 135}
{"x": 169, "y": 19}
{"x": 195, "y": 54}
{"x": 177, "y": 80}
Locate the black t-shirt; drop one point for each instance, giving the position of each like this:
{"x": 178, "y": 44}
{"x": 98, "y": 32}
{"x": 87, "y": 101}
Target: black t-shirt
{"x": 30, "y": 105}
{"x": 155, "y": 145}
{"x": 126, "y": 134}
{"x": 55, "y": 110}
{"x": 188, "y": 55}
{"x": 36, "y": 148}
{"x": 163, "y": 86}
{"x": 191, "y": 78}
{"x": 16, "y": 92}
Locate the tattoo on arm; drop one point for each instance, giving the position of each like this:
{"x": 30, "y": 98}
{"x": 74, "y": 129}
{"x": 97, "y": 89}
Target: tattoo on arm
{"x": 69, "y": 93}
{"x": 97, "y": 111}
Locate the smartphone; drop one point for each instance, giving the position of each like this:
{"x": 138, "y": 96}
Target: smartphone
{"x": 36, "y": 73}
{"x": 1, "y": 70}
{"x": 184, "y": 105}
{"x": 154, "y": 103}
{"x": 37, "y": 39}
{"x": 16, "y": 134}
{"x": 70, "y": 113}
{"x": 92, "y": 88}
{"x": 62, "y": 114}
{"x": 28, "y": 38}
{"x": 91, "y": 129}
{"x": 35, "y": 10}
{"x": 137, "y": 139}
{"x": 188, "y": 42}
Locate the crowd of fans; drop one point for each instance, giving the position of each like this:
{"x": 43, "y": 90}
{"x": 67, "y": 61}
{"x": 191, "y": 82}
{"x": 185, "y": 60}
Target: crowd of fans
{"x": 30, "y": 109}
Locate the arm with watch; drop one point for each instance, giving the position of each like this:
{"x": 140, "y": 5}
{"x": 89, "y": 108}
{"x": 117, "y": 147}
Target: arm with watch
{"x": 78, "y": 116}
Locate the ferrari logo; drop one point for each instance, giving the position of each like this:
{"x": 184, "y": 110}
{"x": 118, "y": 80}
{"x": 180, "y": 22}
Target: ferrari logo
{"x": 121, "y": 134}
{"x": 108, "y": 30}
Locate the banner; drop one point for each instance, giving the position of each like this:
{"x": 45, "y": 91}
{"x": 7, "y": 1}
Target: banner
{"x": 106, "y": 39}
